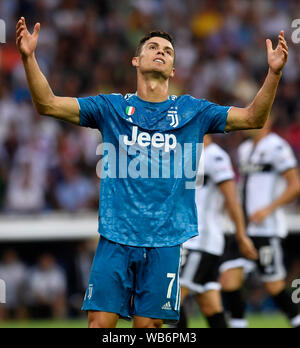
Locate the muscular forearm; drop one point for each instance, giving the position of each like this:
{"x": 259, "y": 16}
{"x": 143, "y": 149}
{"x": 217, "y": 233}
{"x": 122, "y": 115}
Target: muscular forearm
{"x": 246, "y": 246}
{"x": 287, "y": 197}
{"x": 260, "y": 108}
{"x": 63, "y": 108}
{"x": 291, "y": 192}
{"x": 236, "y": 215}
{"x": 233, "y": 206}
{"x": 41, "y": 92}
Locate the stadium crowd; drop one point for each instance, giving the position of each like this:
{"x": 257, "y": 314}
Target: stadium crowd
{"x": 85, "y": 48}
{"x": 49, "y": 283}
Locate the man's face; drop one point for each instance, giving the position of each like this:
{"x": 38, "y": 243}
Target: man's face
{"x": 157, "y": 55}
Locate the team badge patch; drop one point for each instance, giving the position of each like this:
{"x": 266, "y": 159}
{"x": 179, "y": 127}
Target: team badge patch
{"x": 174, "y": 116}
{"x": 130, "y": 110}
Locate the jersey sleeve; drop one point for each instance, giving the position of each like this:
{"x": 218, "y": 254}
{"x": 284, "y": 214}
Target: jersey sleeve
{"x": 91, "y": 111}
{"x": 214, "y": 116}
{"x": 221, "y": 168}
{"x": 283, "y": 157}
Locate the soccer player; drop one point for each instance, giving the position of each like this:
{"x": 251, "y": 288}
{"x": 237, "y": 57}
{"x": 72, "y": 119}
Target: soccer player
{"x": 201, "y": 254}
{"x": 266, "y": 162}
{"x": 143, "y": 220}
{"x": 233, "y": 269}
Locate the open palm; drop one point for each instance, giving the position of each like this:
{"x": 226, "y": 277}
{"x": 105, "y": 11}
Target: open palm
{"x": 277, "y": 58}
{"x": 26, "y": 42}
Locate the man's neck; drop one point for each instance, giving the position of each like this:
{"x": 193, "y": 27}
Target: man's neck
{"x": 152, "y": 88}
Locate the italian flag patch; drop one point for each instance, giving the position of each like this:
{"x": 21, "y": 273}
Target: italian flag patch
{"x": 130, "y": 110}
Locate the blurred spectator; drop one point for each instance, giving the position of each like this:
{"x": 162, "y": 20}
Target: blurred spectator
{"x": 74, "y": 192}
{"x": 82, "y": 265}
{"x": 25, "y": 192}
{"x": 14, "y": 274}
{"x": 84, "y": 259}
{"x": 292, "y": 134}
{"x": 47, "y": 289}
{"x": 208, "y": 20}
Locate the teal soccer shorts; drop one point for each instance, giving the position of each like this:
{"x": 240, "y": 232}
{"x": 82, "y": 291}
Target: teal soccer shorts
{"x": 133, "y": 281}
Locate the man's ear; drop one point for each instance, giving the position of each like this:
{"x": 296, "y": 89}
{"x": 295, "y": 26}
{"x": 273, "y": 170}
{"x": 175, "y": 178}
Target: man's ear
{"x": 173, "y": 73}
{"x": 135, "y": 62}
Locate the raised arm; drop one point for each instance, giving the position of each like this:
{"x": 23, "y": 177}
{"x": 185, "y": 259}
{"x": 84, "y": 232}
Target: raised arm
{"x": 256, "y": 114}
{"x": 46, "y": 103}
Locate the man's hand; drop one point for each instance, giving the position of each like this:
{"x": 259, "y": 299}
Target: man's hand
{"x": 277, "y": 58}
{"x": 259, "y": 216}
{"x": 46, "y": 103}
{"x": 255, "y": 115}
{"x": 247, "y": 248}
{"x": 26, "y": 42}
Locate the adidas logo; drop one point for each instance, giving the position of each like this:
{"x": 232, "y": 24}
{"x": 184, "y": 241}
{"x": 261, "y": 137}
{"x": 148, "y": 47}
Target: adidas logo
{"x": 167, "y": 306}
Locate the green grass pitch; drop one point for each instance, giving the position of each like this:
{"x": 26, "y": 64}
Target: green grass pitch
{"x": 255, "y": 321}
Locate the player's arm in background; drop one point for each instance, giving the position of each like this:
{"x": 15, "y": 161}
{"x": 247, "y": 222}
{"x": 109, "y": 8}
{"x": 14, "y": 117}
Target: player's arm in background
{"x": 46, "y": 103}
{"x": 255, "y": 115}
{"x": 222, "y": 174}
{"x": 229, "y": 191}
{"x": 291, "y": 192}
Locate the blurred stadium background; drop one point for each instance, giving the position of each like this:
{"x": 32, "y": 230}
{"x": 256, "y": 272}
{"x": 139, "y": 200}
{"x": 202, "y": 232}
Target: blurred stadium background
{"x": 48, "y": 182}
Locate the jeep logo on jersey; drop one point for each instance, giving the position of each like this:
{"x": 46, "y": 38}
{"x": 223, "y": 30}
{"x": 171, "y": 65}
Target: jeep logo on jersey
{"x": 158, "y": 140}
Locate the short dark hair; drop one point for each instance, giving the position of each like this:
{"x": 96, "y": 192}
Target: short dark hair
{"x": 155, "y": 33}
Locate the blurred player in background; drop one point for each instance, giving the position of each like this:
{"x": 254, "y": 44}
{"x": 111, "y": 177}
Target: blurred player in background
{"x": 201, "y": 254}
{"x": 267, "y": 163}
{"x": 232, "y": 270}
{"x": 143, "y": 221}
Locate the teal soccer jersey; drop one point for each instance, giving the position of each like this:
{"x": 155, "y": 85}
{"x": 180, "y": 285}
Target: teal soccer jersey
{"x": 150, "y": 154}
